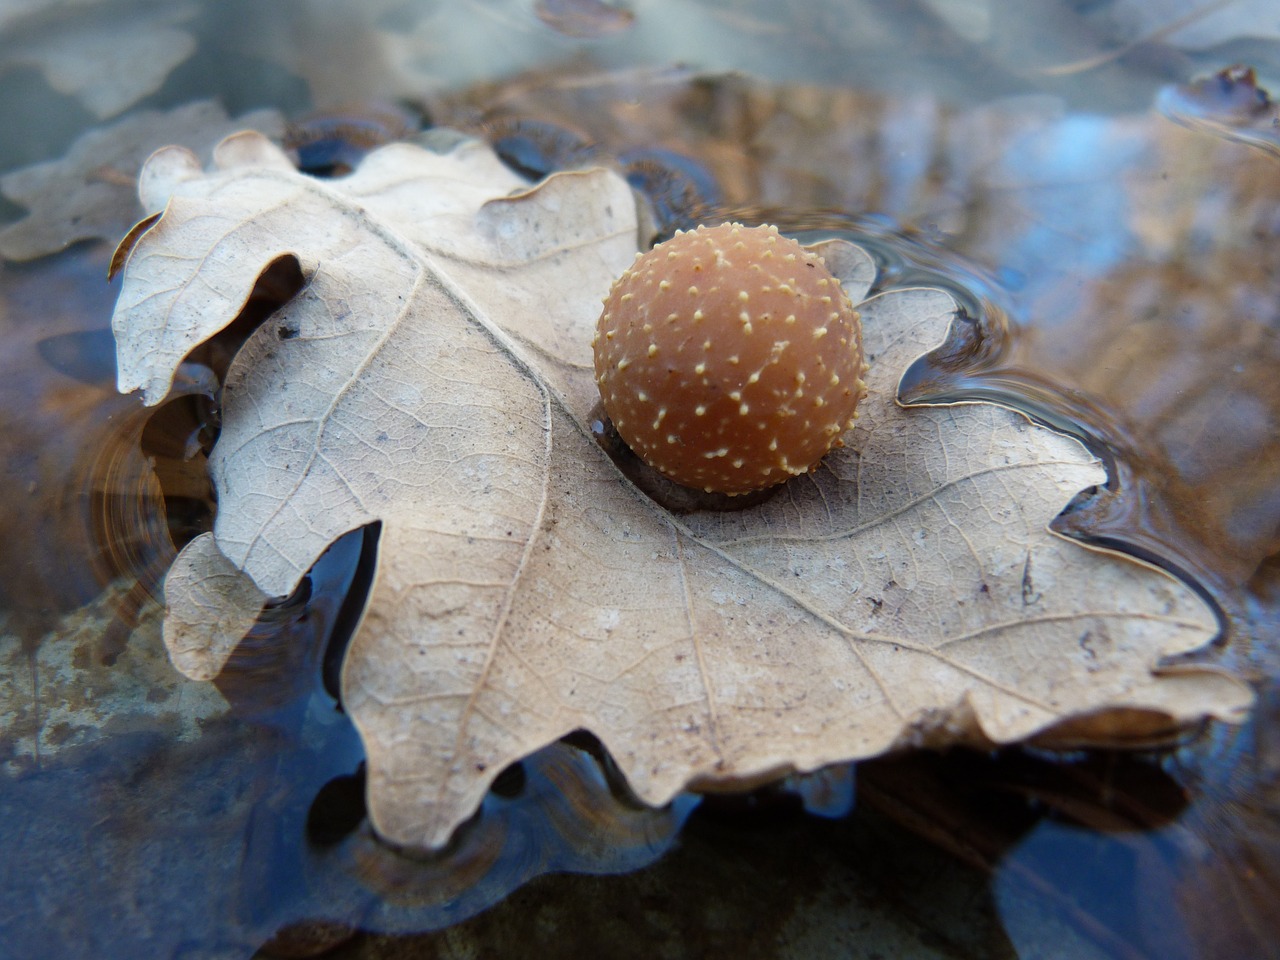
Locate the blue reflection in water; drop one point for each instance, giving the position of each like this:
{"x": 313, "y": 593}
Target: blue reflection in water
{"x": 1070, "y": 207}
{"x": 1122, "y": 891}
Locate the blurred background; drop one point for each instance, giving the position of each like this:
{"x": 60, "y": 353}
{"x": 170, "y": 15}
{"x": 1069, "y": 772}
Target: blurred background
{"x": 1097, "y": 181}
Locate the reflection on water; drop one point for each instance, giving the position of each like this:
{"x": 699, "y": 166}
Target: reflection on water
{"x": 1120, "y": 271}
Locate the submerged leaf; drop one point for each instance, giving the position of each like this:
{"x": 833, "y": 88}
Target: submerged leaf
{"x": 1189, "y": 24}
{"x": 108, "y": 56}
{"x": 435, "y": 375}
{"x": 90, "y": 193}
{"x": 583, "y": 19}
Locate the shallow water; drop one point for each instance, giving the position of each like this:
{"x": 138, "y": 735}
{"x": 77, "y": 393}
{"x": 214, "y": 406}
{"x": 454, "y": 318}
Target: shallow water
{"x": 1121, "y": 271}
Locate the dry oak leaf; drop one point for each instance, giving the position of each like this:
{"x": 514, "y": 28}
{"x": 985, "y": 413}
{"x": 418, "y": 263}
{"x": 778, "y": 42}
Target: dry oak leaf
{"x": 435, "y": 374}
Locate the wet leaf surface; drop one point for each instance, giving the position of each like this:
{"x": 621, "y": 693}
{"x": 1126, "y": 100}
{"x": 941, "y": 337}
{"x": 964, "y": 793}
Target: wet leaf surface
{"x": 434, "y": 375}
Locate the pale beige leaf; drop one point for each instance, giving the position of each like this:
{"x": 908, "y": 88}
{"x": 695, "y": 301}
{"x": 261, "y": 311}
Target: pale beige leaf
{"x": 434, "y": 374}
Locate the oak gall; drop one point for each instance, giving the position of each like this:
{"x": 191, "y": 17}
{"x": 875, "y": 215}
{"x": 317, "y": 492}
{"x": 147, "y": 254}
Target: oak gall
{"x": 729, "y": 358}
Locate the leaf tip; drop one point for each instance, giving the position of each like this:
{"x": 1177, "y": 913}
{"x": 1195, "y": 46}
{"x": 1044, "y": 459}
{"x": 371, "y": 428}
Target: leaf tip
{"x": 249, "y": 148}
{"x": 163, "y": 172}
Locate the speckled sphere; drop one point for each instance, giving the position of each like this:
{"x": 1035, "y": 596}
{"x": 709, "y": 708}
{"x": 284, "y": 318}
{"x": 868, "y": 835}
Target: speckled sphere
{"x": 729, "y": 358}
